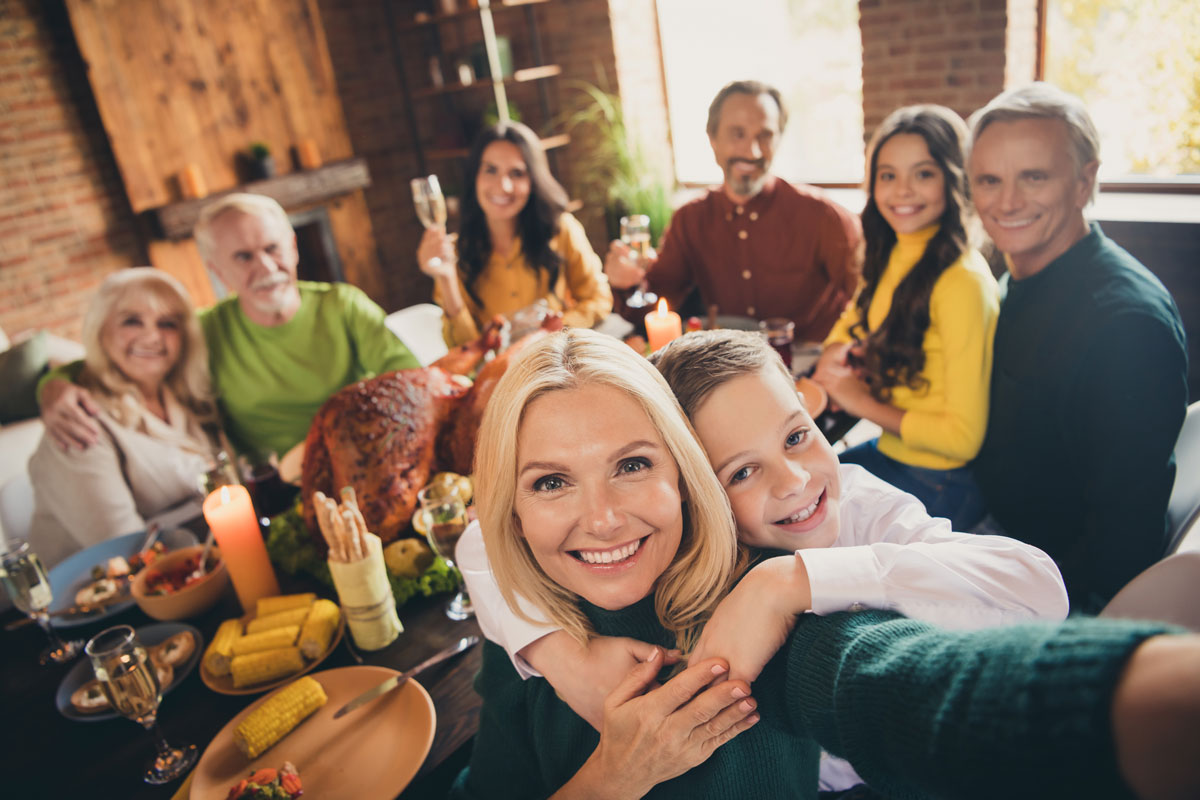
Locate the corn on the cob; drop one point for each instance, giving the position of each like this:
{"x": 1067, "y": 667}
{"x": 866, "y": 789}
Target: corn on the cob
{"x": 318, "y": 628}
{"x": 293, "y": 616}
{"x": 274, "y": 719}
{"x": 265, "y": 665}
{"x": 266, "y": 640}
{"x": 220, "y": 651}
{"x": 273, "y": 605}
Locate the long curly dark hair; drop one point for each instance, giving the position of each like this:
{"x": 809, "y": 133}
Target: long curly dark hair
{"x": 538, "y": 222}
{"x": 893, "y": 354}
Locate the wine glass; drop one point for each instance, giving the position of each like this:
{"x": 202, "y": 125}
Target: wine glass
{"x": 24, "y": 578}
{"x": 427, "y": 197}
{"x": 130, "y": 683}
{"x": 635, "y": 232}
{"x": 444, "y": 515}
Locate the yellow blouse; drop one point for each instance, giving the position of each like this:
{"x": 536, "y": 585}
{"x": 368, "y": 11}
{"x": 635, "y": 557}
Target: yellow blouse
{"x": 508, "y": 283}
{"x": 945, "y": 421}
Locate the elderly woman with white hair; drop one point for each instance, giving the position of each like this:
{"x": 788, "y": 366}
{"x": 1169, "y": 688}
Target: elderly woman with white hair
{"x": 146, "y": 369}
{"x": 597, "y": 504}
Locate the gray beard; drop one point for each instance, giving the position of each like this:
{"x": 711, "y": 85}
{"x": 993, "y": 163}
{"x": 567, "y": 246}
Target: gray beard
{"x": 747, "y": 186}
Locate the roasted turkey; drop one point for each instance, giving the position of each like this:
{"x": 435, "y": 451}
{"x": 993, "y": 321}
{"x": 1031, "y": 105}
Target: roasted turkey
{"x": 387, "y": 435}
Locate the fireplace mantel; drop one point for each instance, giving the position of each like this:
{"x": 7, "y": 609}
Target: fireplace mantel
{"x": 300, "y": 188}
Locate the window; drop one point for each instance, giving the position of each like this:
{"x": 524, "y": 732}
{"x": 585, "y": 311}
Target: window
{"x": 810, "y": 49}
{"x": 1136, "y": 66}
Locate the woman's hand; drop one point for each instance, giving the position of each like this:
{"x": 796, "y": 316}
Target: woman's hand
{"x": 652, "y": 736}
{"x": 584, "y": 675}
{"x": 840, "y": 378}
{"x": 756, "y": 617}
{"x": 67, "y": 413}
{"x": 435, "y": 255}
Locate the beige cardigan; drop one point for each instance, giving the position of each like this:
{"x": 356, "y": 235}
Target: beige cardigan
{"x": 132, "y": 474}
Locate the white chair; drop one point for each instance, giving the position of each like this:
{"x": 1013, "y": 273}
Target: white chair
{"x": 420, "y": 328}
{"x": 1184, "y": 505}
{"x": 1168, "y": 591}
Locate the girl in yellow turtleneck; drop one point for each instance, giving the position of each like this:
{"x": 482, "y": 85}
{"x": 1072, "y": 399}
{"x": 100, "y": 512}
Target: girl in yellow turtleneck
{"x": 913, "y": 351}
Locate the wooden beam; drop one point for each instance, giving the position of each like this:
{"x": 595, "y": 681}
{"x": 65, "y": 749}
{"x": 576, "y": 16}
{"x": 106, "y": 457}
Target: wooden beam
{"x": 305, "y": 187}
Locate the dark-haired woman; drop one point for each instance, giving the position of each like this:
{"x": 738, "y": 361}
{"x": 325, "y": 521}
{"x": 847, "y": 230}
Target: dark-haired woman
{"x": 913, "y": 351}
{"x": 517, "y": 244}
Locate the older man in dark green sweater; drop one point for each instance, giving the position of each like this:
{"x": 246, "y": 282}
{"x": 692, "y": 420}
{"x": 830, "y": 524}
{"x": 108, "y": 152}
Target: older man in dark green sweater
{"x": 1089, "y": 379}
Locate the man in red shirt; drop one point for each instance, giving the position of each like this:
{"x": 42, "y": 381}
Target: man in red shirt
{"x": 756, "y": 246}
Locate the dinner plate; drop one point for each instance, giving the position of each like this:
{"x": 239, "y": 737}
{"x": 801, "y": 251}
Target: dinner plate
{"x": 369, "y": 754}
{"x": 223, "y": 684}
{"x": 149, "y": 635}
{"x": 814, "y": 394}
{"x": 71, "y": 574}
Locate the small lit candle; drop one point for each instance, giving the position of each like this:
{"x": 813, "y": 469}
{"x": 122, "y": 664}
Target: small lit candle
{"x": 662, "y": 326}
{"x": 307, "y": 154}
{"x": 231, "y": 517}
{"x": 191, "y": 182}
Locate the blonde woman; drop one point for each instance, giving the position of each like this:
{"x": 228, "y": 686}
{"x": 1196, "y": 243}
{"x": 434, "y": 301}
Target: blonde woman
{"x": 146, "y": 369}
{"x": 599, "y": 507}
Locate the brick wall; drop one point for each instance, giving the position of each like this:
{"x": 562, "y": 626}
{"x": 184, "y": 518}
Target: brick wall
{"x": 958, "y": 53}
{"x": 64, "y": 220}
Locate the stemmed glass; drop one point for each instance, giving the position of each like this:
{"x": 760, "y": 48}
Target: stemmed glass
{"x": 635, "y": 232}
{"x": 24, "y": 578}
{"x": 427, "y": 197}
{"x": 444, "y": 515}
{"x": 130, "y": 683}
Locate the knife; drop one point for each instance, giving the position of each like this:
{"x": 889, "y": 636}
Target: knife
{"x": 399, "y": 680}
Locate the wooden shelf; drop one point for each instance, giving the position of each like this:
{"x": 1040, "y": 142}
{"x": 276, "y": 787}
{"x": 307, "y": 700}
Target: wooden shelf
{"x": 520, "y": 76}
{"x": 466, "y": 11}
{"x": 449, "y": 154}
{"x": 302, "y": 187}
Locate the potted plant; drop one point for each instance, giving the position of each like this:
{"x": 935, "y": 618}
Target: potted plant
{"x": 258, "y": 162}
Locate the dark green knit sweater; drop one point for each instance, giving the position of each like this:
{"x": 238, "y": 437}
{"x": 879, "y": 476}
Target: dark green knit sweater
{"x": 1009, "y": 712}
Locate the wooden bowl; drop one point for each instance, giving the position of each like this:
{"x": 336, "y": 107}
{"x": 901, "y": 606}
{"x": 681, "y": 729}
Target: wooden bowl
{"x": 191, "y": 600}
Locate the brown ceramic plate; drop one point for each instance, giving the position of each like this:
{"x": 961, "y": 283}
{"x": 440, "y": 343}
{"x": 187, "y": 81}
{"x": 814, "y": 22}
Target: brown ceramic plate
{"x": 224, "y": 683}
{"x": 815, "y": 397}
{"x": 371, "y": 753}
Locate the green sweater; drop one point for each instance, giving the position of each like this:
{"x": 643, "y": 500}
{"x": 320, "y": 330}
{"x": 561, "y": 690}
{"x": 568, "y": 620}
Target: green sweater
{"x": 271, "y": 381}
{"x": 1089, "y": 391}
{"x": 1021, "y": 711}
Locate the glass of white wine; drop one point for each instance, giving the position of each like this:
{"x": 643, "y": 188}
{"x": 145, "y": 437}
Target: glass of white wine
{"x": 427, "y": 197}
{"x": 635, "y": 232}
{"x": 25, "y": 580}
{"x": 130, "y": 683}
{"x": 444, "y": 515}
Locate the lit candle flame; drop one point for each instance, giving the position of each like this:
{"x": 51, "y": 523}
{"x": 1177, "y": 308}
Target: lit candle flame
{"x": 662, "y": 307}
{"x": 224, "y": 495}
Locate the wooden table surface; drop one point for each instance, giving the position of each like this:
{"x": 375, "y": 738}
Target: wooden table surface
{"x": 47, "y": 755}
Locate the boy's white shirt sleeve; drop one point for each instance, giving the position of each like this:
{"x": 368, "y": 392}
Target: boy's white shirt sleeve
{"x": 890, "y": 554}
{"x": 497, "y": 620}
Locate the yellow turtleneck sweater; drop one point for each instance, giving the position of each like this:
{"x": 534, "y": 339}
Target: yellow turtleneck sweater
{"x": 944, "y": 422}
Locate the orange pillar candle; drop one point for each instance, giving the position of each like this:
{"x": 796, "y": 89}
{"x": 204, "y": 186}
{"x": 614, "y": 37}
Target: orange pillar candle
{"x": 191, "y": 182}
{"x": 307, "y": 154}
{"x": 662, "y": 326}
{"x": 231, "y": 517}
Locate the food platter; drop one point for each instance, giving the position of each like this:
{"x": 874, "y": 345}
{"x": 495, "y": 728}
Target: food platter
{"x": 223, "y": 684}
{"x": 370, "y": 754}
{"x": 149, "y": 635}
{"x": 73, "y": 573}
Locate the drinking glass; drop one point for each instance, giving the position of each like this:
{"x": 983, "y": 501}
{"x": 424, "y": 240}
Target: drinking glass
{"x": 779, "y": 332}
{"x": 445, "y": 517}
{"x": 130, "y": 683}
{"x": 635, "y": 232}
{"x": 25, "y": 580}
{"x": 427, "y": 197}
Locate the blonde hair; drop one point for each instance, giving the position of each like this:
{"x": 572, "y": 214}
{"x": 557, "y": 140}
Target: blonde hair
{"x": 254, "y": 205}
{"x": 697, "y": 363}
{"x": 708, "y": 556}
{"x": 188, "y": 379}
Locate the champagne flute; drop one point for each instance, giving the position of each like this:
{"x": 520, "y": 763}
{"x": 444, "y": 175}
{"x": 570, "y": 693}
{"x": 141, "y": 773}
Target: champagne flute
{"x": 427, "y": 197}
{"x": 130, "y": 683}
{"x": 445, "y": 517}
{"x": 635, "y": 232}
{"x": 25, "y": 580}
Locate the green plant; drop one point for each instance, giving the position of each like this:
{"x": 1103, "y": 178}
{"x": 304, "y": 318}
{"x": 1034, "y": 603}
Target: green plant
{"x": 259, "y": 150}
{"x": 612, "y": 170}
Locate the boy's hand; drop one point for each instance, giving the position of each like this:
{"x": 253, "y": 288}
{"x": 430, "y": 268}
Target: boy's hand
{"x": 584, "y": 675}
{"x": 756, "y": 617}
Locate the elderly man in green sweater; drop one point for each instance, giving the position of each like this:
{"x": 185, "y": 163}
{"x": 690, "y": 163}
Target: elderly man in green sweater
{"x": 277, "y": 347}
{"x": 1089, "y": 379}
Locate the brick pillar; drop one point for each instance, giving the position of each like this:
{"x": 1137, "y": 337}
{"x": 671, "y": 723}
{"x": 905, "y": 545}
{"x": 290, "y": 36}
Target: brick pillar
{"x": 958, "y": 53}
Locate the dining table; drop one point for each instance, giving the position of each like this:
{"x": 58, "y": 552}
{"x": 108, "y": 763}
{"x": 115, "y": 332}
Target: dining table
{"x": 48, "y": 755}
